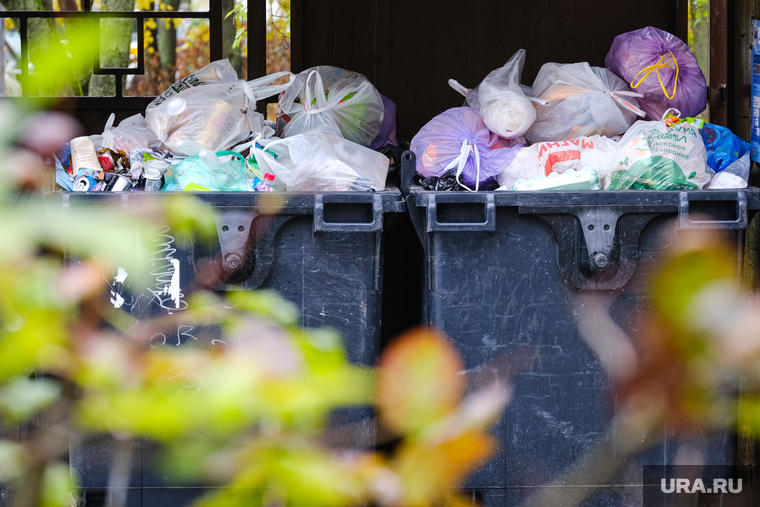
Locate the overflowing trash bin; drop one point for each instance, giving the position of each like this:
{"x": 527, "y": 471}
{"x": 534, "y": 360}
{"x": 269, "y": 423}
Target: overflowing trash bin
{"x": 302, "y": 207}
{"x": 504, "y": 275}
{"x": 527, "y": 236}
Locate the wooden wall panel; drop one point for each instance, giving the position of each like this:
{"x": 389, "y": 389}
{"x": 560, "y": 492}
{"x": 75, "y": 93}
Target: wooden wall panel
{"x": 409, "y": 49}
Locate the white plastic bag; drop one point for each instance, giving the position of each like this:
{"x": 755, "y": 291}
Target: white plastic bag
{"x": 500, "y": 100}
{"x": 655, "y": 156}
{"x": 322, "y": 162}
{"x": 542, "y": 159}
{"x": 329, "y": 99}
{"x": 584, "y": 101}
{"x": 128, "y": 136}
{"x": 210, "y": 108}
{"x": 736, "y": 175}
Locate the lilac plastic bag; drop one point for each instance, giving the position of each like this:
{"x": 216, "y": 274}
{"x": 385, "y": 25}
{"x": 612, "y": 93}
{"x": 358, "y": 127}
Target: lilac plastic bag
{"x": 660, "y": 66}
{"x": 458, "y": 139}
{"x": 387, "y": 133}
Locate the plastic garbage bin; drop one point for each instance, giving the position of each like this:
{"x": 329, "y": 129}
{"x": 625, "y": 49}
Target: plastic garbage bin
{"x": 503, "y": 272}
{"x": 321, "y": 251}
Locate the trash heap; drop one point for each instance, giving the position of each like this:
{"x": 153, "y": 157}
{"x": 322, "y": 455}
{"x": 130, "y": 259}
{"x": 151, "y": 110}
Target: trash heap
{"x": 631, "y": 125}
{"x": 204, "y": 134}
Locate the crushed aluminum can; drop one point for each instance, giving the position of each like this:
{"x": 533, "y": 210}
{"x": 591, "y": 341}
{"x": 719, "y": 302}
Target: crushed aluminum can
{"x": 84, "y": 184}
{"x": 119, "y": 183}
{"x": 106, "y": 160}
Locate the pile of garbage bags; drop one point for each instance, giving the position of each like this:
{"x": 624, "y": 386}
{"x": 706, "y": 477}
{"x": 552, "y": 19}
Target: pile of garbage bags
{"x": 630, "y": 125}
{"x": 204, "y": 134}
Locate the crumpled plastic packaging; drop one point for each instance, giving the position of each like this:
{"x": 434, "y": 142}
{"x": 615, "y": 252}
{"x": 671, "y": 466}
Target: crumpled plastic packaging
{"x": 448, "y": 183}
{"x": 208, "y": 173}
{"x": 736, "y": 175}
{"x": 131, "y": 134}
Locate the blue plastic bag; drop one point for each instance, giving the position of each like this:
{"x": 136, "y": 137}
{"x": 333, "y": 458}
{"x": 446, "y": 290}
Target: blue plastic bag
{"x": 195, "y": 173}
{"x": 723, "y": 146}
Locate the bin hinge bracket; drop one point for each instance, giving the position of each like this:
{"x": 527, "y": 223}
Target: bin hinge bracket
{"x": 598, "y": 246}
{"x": 235, "y": 262}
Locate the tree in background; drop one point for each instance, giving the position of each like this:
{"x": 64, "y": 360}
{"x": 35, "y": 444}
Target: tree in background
{"x": 699, "y": 39}
{"x": 229, "y": 29}
{"x": 166, "y": 59}
{"x": 44, "y": 43}
{"x": 115, "y": 40}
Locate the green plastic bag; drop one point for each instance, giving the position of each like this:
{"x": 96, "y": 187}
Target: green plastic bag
{"x": 196, "y": 174}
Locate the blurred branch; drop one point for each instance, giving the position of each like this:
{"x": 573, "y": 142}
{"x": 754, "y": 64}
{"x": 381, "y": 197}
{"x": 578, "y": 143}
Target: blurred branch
{"x": 118, "y": 482}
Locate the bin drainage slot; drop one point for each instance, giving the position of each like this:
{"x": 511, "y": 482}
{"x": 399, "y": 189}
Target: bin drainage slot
{"x": 461, "y": 213}
{"x": 348, "y": 212}
{"x": 707, "y": 211}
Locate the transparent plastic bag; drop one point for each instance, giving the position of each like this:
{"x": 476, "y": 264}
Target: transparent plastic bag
{"x": 321, "y": 162}
{"x": 500, "y": 100}
{"x": 584, "y": 101}
{"x": 210, "y": 109}
{"x": 130, "y": 135}
{"x": 205, "y": 172}
{"x": 329, "y": 99}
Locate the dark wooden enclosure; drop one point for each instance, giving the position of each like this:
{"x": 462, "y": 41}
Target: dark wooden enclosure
{"x": 409, "y": 49}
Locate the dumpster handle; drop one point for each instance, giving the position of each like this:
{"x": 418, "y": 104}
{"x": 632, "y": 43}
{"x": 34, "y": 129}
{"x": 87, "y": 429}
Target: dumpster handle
{"x": 460, "y": 198}
{"x": 338, "y": 200}
{"x": 685, "y": 221}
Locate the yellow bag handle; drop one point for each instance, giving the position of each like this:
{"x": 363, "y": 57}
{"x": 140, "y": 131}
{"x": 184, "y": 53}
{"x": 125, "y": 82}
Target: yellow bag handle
{"x": 656, "y": 67}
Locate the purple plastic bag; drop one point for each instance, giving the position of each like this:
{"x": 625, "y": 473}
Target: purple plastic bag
{"x": 641, "y": 56}
{"x": 387, "y": 133}
{"x": 458, "y": 139}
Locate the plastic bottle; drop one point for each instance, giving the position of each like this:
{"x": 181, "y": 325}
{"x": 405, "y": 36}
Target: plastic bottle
{"x": 266, "y": 184}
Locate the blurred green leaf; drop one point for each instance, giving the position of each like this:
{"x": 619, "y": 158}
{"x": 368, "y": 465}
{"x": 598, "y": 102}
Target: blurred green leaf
{"x": 188, "y": 217}
{"x": 23, "y": 397}
{"x": 699, "y": 259}
{"x": 57, "y": 486}
{"x": 13, "y": 461}
{"x": 267, "y": 303}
